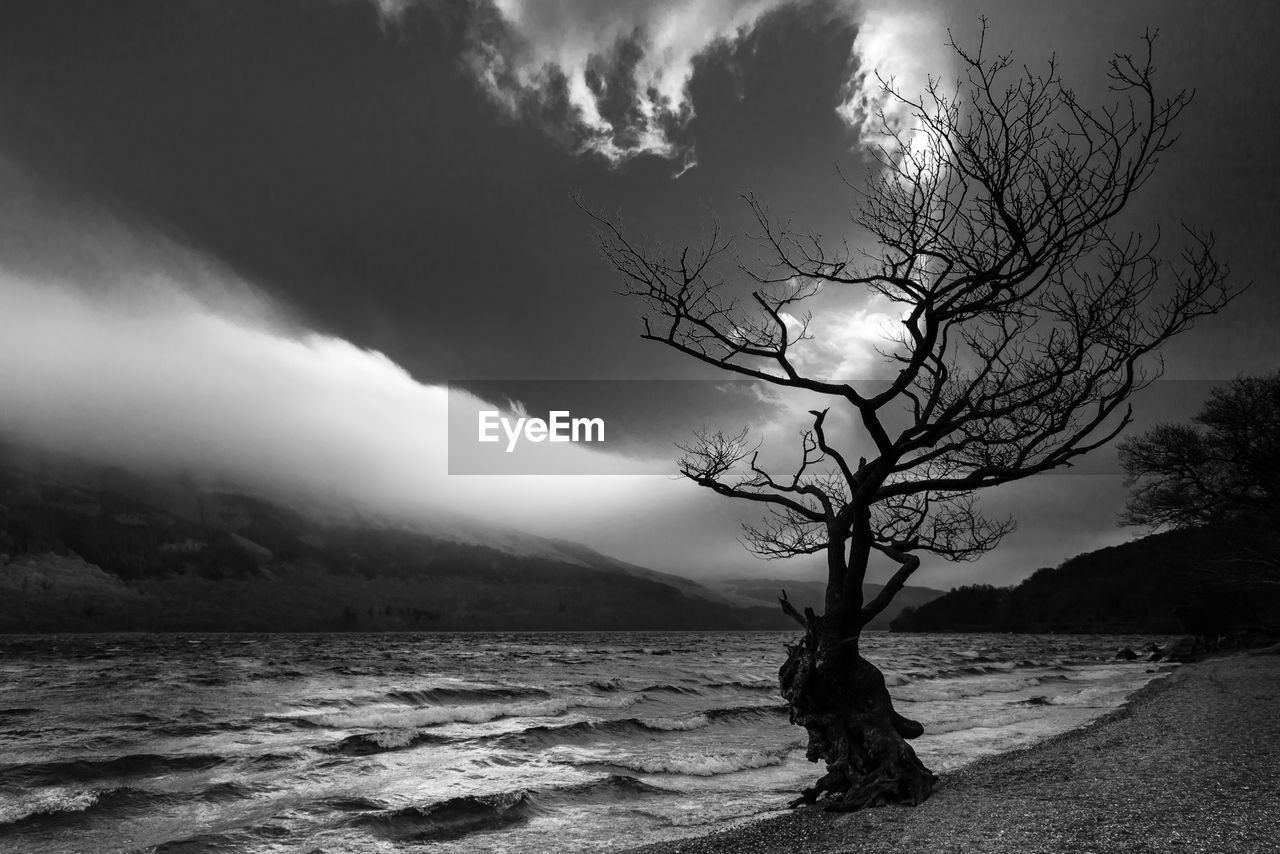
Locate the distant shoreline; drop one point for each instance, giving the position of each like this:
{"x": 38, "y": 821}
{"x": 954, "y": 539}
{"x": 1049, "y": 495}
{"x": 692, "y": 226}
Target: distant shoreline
{"x": 1190, "y": 762}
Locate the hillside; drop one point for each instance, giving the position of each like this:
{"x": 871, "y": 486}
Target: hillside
{"x": 811, "y": 594}
{"x": 1192, "y": 580}
{"x": 85, "y": 550}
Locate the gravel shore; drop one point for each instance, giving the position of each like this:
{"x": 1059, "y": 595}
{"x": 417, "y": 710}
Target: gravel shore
{"x": 1191, "y": 763}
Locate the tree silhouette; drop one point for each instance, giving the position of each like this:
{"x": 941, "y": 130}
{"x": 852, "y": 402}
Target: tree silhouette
{"x": 1028, "y": 318}
{"x": 1223, "y": 467}
{"x": 1220, "y": 473}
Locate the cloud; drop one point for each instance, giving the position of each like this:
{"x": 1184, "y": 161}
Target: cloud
{"x": 900, "y": 44}
{"x": 612, "y": 78}
{"x": 124, "y": 348}
{"x": 847, "y": 342}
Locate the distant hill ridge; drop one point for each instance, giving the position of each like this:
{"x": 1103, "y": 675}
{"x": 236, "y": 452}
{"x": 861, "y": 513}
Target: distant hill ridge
{"x": 86, "y": 548}
{"x": 812, "y": 593}
{"x": 1171, "y": 582}
{"x": 98, "y": 549}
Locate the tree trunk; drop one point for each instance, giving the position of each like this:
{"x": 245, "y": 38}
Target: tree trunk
{"x": 841, "y": 699}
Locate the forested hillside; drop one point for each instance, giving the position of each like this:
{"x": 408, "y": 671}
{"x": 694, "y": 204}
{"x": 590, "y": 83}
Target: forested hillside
{"x": 1170, "y": 582}
{"x": 106, "y": 551}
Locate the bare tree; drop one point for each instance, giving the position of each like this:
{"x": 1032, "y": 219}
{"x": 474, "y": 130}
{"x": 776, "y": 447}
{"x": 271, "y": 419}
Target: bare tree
{"x": 1028, "y": 317}
{"x": 1222, "y": 468}
{"x": 1220, "y": 473}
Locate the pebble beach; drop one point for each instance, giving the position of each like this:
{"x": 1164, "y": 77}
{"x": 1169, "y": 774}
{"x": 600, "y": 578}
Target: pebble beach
{"x": 1191, "y": 763}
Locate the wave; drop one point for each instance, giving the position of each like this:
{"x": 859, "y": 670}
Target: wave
{"x": 941, "y": 689}
{"x": 607, "y": 789}
{"x": 204, "y": 843}
{"x": 607, "y": 685}
{"x": 225, "y": 792}
{"x": 43, "y": 803}
{"x": 979, "y": 666}
{"x": 61, "y": 804}
{"x": 461, "y": 816}
{"x": 646, "y": 650}
{"x": 382, "y": 718}
{"x": 669, "y": 689}
{"x": 367, "y": 743}
{"x": 1015, "y": 714}
{"x": 1099, "y": 696}
{"x": 267, "y": 761}
{"x": 552, "y": 734}
{"x": 676, "y": 724}
{"x": 88, "y": 770}
{"x": 142, "y": 718}
{"x": 426, "y": 697}
{"x": 190, "y": 730}
{"x": 616, "y": 684}
{"x": 436, "y": 696}
{"x": 579, "y": 730}
{"x": 741, "y": 685}
{"x": 248, "y": 838}
{"x": 978, "y": 669}
{"x": 17, "y": 713}
{"x": 344, "y": 803}
{"x": 1026, "y": 663}
{"x": 610, "y": 686}
{"x": 695, "y": 763}
{"x": 448, "y": 819}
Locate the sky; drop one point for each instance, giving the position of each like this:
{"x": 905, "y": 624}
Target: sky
{"x": 258, "y": 241}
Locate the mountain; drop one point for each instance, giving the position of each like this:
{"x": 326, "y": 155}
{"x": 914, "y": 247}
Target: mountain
{"x": 812, "y": 593}
{"x": 85, "y": 549}
{"x": 1199, "y": 581}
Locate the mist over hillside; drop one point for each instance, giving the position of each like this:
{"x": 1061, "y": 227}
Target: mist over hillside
{"x": 87, "y": 548}
{"x": 92, "y": 549}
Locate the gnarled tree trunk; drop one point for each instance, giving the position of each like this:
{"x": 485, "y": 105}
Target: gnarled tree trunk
{"x": 841, "y": 699}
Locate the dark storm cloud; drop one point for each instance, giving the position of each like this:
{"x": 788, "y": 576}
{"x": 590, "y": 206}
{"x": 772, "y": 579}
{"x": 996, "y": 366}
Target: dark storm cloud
{"x": 360, "y": 170}
{"x": 355, "y": 171}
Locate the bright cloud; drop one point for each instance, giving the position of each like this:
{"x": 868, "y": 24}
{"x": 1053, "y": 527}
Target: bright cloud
{"x": 614, "y": 74}
{"x": 900, "y": 45}
{"x": 847, "y": 342}
{"x": 612, "y": 78}
{"x": 128, "y": 350}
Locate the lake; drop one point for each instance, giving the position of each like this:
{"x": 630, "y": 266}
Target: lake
{"x": 471, "y": 742}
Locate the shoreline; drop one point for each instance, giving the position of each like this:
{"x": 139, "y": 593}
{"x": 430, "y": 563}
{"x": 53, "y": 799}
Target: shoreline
{"x": 1190, "y": 762}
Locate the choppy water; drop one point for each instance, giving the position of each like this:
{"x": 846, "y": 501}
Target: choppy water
{"x": 484, "y": 742}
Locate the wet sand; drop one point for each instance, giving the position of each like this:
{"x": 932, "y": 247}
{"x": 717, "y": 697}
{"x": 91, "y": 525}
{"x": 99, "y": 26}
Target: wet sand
{"x": 1191, "y": 763}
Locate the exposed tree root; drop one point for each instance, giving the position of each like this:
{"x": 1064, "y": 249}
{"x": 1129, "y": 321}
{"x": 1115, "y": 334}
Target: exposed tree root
{"x": 841, "y": 699}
